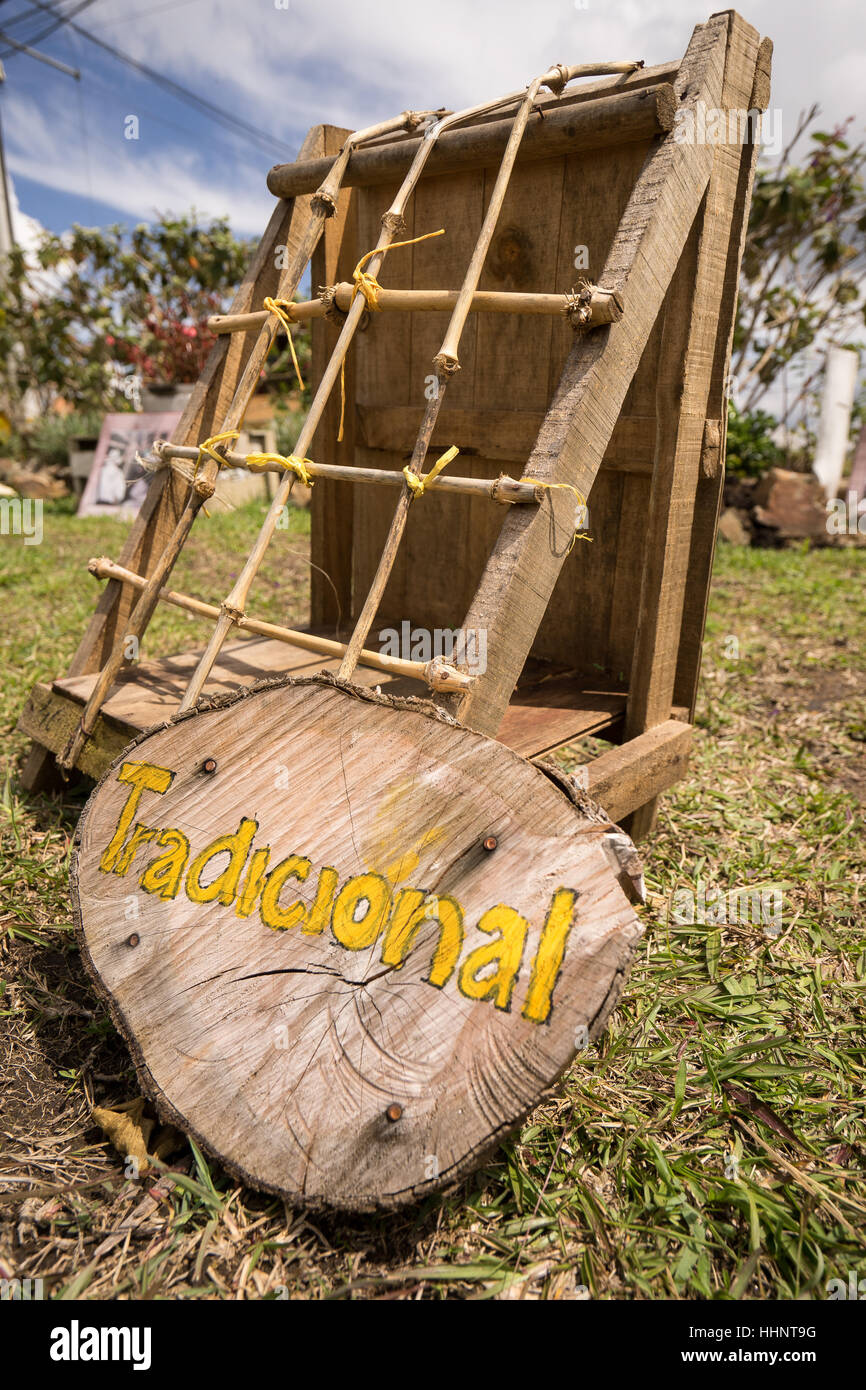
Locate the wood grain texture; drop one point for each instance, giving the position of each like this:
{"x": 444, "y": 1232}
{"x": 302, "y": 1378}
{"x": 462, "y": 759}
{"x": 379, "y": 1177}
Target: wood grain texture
{"x": 282, "y": 1031}
{"x": 627, "y": 778}
{"x": 710, "y": 490}
{"x": 167, "y": 495}
{"x": 543, "y": 715}
{"x": 616, "y": 118}
{"x": 524, "y": 565}
{"x": 331, "y": 510}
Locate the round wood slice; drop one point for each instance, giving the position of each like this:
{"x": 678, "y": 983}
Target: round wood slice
{"x": 350, "y": 943}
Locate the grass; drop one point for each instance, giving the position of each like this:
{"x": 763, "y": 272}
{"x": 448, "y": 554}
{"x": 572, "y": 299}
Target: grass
{"x": 710, "y": 1146}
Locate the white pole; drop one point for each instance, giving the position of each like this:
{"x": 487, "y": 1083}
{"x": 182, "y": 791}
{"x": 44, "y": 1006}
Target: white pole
{"x": 837, "y": 399}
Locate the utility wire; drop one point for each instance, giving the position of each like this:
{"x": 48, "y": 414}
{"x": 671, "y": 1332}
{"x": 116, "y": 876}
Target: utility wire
{"x": 40, "y": 57}
{"x": 207, "y": 108}
{"x": 51, "y": 28}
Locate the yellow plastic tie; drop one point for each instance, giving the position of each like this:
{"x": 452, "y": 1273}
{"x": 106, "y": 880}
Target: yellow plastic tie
{"x": 418, "y": 486}
{"x": 369, "y": 287}
{"x": 284, "y": 310}
{"x": 292, "y": 463}
{"x": 581, "y": 500}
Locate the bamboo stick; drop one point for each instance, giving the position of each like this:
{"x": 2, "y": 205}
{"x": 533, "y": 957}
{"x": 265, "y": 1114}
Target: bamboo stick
{"x": 501, "y": 489}
{"x": 322, "y": 207}
{"x": 446, "y": 364}
{"x": 438, "y": 674}
{"x": 603, "y": 306}
{"x": 233, "y": 606}
{"x": 616, "y": 118}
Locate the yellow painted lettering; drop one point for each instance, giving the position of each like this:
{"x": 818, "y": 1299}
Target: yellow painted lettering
{"x": 320, "y": 913}
{"x": 163, "y": 875}
{"x": 360, "y": 911}
{"x": 283, "y": 918}
{"x": 506, "y": 952}
{"x": 253, "y": 882}
{"x": 140, "y": 836}
{"x": 549, "y": 956}
{"x": 141, "y": 777}
{"x": 225, "y": 885}
{"x": 413, "y": 906}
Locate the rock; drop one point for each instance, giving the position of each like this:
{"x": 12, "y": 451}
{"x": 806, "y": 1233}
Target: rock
{"x": 27, "y": 482}
{"x": 792, "y": 504}
{"x": 733, "y": 528}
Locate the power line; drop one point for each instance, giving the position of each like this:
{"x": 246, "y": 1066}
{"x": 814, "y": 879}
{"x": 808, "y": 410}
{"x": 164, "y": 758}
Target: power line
{"x": 207, "y": 108}
{"x": 51, "y": 28}
{"x": 40, "y": 57}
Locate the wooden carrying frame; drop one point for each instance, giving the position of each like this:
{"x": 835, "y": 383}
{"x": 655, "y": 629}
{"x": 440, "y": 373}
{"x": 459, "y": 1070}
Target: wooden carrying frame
{"x": 600, "y": 639}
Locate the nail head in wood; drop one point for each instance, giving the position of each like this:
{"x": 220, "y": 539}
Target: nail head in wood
{"x": 490, "y": 842}
{"x": 133, "y": 939}
{"x": 209, "y": 765}
{"x": 394, "y": 1112}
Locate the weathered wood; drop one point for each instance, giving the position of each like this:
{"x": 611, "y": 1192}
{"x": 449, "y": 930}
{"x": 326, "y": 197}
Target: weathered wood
{"x": 600, "y": 307}
{"x": 626, "y": 778}
{"x": 331, "y": 515}
{"x": 51, "y": 721}
{"x": 542, "y": 716}
{"x": 168, "y": 494}
{"x": 439, "y": 675}
{"x": 523, "y": 567}
{"x": 710, "y": 488}
{"x": 501, "y": 489}
{"x": 392, "y": 967}
{"x": 446, "y": 364}
{"x": 616, "y": 118}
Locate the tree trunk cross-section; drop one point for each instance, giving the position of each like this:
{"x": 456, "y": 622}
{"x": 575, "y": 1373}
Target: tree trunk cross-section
{"x": 351, "y": 943}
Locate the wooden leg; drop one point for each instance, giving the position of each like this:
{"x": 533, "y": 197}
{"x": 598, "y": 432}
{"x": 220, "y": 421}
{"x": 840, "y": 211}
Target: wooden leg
{"x": 642, "y": 822}
{"x": 39, "y": 772}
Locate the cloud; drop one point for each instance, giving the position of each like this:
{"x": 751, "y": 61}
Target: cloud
{"x": 283, "y": 69}
{"x": 138, "y": 182}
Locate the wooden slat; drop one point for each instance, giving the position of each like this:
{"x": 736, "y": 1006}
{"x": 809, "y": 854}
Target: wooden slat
{"x": 691, "y": 330}
{"x": 710, "y": 486}
{"x": 625, "y": 778}
{"x": 523, "y": 568}
{"x": 544, "y": 715}
{"x": 614, "y": 119}
{"x": 557, "y": 712}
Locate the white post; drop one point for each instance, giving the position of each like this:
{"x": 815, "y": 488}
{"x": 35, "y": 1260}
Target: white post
{"x": 837, "y": 398}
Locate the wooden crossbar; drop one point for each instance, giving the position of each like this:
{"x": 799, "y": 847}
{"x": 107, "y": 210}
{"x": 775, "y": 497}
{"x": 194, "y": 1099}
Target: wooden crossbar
{"x": 584, "y": 309}
{"x": 438, "y": 674}
{"x": 502, "y": 489}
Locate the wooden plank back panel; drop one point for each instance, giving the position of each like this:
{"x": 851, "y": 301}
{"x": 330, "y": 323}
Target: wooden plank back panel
{"x": 509, "y": 367}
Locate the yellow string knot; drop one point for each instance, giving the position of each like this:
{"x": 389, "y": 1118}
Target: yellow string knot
{"x": 285, "y": 312}
{"x": 368, "y": 286}
{"x": 582, "y": 515}
{"x": 418, "y": 485}
{"x": 207, "y": 448}
{"x": 292, "y": 463}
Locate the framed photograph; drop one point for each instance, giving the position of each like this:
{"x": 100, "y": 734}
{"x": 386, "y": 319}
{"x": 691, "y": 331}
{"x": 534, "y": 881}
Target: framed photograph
{"x": 118, "y": 484}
